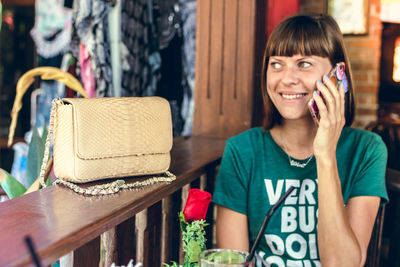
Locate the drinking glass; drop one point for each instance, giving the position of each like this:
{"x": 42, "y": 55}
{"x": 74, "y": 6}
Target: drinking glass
{"x": 223, "y": 258}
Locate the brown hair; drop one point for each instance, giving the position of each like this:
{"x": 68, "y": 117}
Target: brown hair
{"x": 306, "y": 34}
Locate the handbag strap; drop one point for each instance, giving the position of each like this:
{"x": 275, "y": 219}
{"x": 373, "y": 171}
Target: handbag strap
{"x": 115, "y": 186}
{"x": 102, "y": 189}
{"x": 54, "y": 104}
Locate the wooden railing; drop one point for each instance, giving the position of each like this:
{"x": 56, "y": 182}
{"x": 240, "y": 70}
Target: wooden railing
{"x": 140, "y": 225}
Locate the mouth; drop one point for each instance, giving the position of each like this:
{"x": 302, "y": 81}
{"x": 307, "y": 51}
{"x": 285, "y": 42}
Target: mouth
{"x": 293, "y": 96}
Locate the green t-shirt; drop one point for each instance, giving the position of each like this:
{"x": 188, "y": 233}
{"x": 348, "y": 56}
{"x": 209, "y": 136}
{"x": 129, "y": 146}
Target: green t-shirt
{"x": 255, "y": 172}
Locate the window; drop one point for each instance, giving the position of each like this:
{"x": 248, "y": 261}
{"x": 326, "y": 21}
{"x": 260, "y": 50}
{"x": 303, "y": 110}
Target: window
{"x": 396, "y": 60}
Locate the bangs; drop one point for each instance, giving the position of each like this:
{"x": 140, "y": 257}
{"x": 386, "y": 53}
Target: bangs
{"x": 299, "y": 36}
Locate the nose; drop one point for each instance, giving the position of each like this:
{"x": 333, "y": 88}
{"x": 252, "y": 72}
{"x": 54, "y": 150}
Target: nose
{"x": 290, "y": 76}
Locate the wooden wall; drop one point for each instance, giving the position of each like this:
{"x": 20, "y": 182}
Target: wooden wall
{"x": 229, "y": 47}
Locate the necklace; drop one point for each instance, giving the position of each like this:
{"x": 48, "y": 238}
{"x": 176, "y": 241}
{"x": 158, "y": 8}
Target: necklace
{"x": 293, "y": 162}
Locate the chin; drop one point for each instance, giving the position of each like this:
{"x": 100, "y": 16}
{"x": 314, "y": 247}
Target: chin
{"x": 297, "y": 116}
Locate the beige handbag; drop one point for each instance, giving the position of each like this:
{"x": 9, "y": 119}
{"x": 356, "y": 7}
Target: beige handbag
{"x": 102, "y": 138}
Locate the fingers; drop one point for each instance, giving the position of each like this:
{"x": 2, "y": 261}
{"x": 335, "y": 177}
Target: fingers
{"x": 342, "y": 96}
{"x": 323, "y": 111}
{"x": 331, "y": 106}
{"x": 329, "y": 93}
{"x": 326, "y": 104}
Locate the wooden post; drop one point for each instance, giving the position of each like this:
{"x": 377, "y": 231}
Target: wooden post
{"x": 227, "y": 65}
{"x": 89, "y": 254}
{"x": 184, "y": 195}
{"x": 141, "y": 225}
{"x": 166, "y": 230}
{"x": 109, "y": 244}
{"x": 148, "y": 224}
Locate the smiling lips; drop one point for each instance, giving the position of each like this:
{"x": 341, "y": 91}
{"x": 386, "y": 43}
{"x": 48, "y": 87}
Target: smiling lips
{"x": 292, "y": 96}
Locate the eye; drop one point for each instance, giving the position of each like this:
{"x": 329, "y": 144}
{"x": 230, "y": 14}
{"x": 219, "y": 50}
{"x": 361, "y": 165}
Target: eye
{"x": 304, "y": 64}
{"x": 275, "y": 65}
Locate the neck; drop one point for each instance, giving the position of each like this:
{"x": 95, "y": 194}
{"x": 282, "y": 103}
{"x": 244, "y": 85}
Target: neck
{"x": 295, "y": 137}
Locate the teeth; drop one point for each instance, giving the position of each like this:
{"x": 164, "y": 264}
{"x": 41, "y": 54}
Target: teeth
{"x": 292, "y": 96}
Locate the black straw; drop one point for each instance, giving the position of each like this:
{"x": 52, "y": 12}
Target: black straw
{"x": 265, "y": 222}
{"x": 32, "y": 251}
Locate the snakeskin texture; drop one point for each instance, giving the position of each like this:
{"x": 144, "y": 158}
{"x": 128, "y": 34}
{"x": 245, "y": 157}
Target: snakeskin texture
{"x": 102, "y": 138}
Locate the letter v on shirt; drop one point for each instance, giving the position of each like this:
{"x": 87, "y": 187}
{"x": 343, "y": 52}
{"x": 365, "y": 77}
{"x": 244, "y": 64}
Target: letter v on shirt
{"x": 307, "y": 188}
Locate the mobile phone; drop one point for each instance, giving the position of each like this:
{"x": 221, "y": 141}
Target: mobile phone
{"x": 338, "y": 76}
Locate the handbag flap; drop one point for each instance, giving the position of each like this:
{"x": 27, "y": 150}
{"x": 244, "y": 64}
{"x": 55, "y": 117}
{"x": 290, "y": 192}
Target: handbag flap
{"x": 118, "y": 127}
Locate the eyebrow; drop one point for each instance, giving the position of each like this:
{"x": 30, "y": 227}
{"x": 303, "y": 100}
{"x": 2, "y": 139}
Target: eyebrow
{"x": 275, "y": 58}
{"x": 305, "y": 57}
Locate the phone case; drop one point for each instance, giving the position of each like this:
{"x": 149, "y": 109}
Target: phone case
{"x": 338, "y": 76}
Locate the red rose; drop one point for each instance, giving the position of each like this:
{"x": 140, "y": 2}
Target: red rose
{"x": 196, "y": 205}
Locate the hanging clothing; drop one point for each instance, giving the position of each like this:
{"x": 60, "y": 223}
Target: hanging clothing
{"x": 138, "y": 36}
{"x": 170, "y": 83}
{"x": 167, "y": 21}
{"x": 90, "y": 27}
{"x": 176, "y": 20}
{"x": 188, "y": 16}
{"x": 169, "y": 39}
{"x": 87, "y": 77}
{"x": 52, "y": 30}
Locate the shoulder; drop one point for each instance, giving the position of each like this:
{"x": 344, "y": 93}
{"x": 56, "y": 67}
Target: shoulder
{"x": 360, "y": 136}
{"x": 362, "y": 140}
{"x": 251, "y": 137}
{"x": 362, "y": 160}
{"x": 247, "y": 143}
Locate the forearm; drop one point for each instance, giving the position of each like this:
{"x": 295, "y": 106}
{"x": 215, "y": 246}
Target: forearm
{"x": 232, "y": 230}
{"x": 337, "y": 243}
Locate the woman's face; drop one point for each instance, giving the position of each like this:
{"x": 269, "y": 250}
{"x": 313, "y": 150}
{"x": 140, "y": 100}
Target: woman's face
{"x": 291, "y": 82}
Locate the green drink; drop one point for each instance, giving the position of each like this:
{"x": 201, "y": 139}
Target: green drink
{"x": 223, "y": 258}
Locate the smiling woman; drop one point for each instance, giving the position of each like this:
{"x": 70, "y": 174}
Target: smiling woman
{"x": 338, "y": 172}
{"x": 307, "y": 40}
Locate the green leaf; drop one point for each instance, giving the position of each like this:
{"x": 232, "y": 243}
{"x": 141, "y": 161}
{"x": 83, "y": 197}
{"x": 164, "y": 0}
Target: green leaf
{"x": 34, "y": 158}
{"x": 193, "y": 251}
{"x": 174, "y": 264}
{"x": 182, "y": 221}
{"x": 48, "y": 181}
{"x": 44, "y": 137}
{"x": 11, "y": 186}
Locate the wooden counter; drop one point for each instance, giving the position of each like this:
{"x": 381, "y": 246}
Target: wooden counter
{"x": 59, "y": 220}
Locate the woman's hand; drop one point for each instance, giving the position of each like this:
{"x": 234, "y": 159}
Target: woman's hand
{"x": 332, "y": 120}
